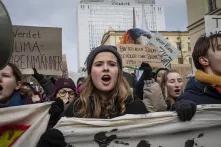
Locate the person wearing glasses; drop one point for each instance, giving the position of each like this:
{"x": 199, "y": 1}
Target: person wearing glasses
{"x": 65, "y": 90}
{"x": 64, "y": 94}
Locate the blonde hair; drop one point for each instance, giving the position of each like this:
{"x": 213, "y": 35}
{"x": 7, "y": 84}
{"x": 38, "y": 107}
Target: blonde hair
{"x": 91, "y": 105}
{"x": 164, "y": 82}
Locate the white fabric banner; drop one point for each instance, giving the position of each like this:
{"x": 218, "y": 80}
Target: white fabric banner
{"x": 22, "y": 126}
{"x": 161, "y": 129}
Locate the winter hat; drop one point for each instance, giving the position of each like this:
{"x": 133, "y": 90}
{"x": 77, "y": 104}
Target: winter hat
{"x": 99, "y": 49}
{"x": 64, "y": 83}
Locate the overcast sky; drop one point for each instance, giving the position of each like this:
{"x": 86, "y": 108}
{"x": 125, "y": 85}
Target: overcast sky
{"x": 62, "y": 13}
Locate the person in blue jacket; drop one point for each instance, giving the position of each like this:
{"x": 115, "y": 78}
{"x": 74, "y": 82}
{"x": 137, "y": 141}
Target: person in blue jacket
{"x": 10, "y": 82}
{"x": 205, "y": 87}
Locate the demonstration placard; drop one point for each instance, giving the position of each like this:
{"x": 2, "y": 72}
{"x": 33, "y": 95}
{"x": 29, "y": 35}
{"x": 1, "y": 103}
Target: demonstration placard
{"x": 38, "y": 47}
{"x": 166, "y": 50}
{"x": 212, "y": 24}
{"x": 134, "y": 54}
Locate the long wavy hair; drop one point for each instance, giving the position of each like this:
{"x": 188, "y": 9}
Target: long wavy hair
{"x": 91, "y": 105}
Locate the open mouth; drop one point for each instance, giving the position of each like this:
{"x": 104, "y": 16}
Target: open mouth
{"x": 1, "y": 87}
{"x": 106, "y": 78}
{"x": 177, "y": 90}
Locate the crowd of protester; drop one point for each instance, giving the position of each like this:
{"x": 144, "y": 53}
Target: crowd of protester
{"x": 106, "y": 93}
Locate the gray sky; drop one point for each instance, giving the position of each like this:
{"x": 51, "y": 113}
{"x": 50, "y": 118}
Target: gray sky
{"x": 58, "y": 13}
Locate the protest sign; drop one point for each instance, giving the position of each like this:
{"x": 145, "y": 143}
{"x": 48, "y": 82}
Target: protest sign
{"x": 22, "y": 126}
{"x": 160, "y": 129}
{"x": 165, "y": 49}
{"x": 212, "y": 24}
{"x": 38, "y": 47}
{"x": 133, "y": 55}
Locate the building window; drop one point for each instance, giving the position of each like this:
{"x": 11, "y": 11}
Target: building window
{"x": 190, "y": 60}
{"x": 178, "y": 44}
{"x": 211, "y": 5}
{"x": 180, "y": 60}
{"x": 189, "y": 47}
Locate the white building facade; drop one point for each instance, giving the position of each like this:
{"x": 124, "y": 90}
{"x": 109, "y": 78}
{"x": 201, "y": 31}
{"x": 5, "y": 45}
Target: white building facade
{"x": 95, "y": 17}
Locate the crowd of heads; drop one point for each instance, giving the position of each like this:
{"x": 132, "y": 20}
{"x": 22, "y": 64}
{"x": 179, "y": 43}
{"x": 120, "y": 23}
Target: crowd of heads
{"x": 103, "y": 87}
{"x": 105, "y": 91}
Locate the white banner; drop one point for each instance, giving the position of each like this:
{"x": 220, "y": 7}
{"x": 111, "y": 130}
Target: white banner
{"x": 22, "y": 126}
{"x": 161, "y": 129}
{"x": 38, "y": 47}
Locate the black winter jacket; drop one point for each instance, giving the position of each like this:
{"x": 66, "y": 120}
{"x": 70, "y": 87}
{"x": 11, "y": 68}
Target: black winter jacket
{"x": 132, "y": 107}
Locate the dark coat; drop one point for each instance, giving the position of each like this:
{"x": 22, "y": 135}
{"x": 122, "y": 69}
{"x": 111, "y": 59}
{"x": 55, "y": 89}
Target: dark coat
{"x": 132, "y": 107}
{"x": 16, "y": 100}
{"x": 200, "y": 93}
{"x": 138, "y": 90}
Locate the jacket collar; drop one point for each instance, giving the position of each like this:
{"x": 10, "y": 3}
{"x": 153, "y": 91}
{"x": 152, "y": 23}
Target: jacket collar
{"x": 15, "y": 100}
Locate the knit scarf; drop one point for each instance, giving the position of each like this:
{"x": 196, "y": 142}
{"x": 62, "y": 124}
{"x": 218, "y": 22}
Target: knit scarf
{"x": 211, "y": 79}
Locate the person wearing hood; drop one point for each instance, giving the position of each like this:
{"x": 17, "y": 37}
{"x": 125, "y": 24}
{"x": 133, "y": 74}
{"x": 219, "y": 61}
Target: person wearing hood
{"x": 205, "y": 87}
{"x": 10, "y": 83}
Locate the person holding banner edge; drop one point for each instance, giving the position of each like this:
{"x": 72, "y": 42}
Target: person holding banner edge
{"x": 107, "y": 94}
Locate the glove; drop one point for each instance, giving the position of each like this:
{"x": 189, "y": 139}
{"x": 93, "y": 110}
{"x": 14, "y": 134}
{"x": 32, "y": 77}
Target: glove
{"x": 36, "y": 75}
{"x": 55, "y": 111}
{"x": 147, "y": 74}
{"x": 185, "y": 109}
{"x": 52, "y": 138}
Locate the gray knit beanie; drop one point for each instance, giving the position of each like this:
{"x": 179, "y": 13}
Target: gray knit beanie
{"x": 99, "y": 49}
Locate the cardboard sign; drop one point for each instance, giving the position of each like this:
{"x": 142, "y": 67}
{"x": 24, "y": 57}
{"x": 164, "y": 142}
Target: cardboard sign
{"x": 133, "y": 55}
{"x": 212, "y": 24}
{"x": 38, "y": 47}
{"x": 166, "y": 50}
